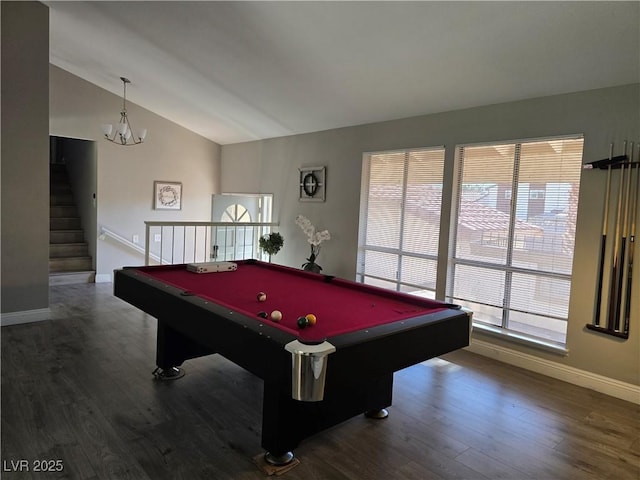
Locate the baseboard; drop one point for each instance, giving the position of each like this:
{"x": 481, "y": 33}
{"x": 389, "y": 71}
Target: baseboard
{"x": 71, "y": 278}
{"x": 582, "y": 378}
{"x": 103, "y": 278}
{"x": 26, "y": 316}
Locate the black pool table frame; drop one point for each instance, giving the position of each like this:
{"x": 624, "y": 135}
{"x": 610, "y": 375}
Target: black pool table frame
{"x": 359, "y": 375}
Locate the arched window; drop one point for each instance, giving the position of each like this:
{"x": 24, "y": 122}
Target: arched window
{"x": 236, "y": 213}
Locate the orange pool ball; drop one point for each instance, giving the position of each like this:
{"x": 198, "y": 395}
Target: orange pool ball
{"x": 311, "y": 318}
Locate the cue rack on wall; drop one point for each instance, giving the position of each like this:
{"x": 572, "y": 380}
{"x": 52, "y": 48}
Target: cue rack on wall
{"x": 613, "y": 308}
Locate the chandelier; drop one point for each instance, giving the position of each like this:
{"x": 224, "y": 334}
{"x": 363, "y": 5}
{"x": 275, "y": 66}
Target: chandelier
{"x": 123, "y": 134}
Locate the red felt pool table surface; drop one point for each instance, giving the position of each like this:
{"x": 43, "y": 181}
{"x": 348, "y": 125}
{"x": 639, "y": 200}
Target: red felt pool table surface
{"x": 341, "y": 306}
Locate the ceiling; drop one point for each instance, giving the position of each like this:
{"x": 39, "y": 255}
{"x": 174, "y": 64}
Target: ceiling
{"x": 240, "y": 71}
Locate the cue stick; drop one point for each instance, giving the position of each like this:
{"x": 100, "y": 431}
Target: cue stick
{"x": 603, "y": 242}
{"x": 614, "y": 309}
{"x": 625, "y": 230}
{"x": 632, "y": 239}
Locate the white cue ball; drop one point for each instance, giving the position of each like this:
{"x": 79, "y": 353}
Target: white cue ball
{"x": 276, "y": 315}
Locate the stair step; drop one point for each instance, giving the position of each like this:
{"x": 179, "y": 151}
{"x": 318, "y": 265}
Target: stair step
{"x": 60, "y": 188}
{"x": 57, "y": 167}
{"x": 70, "y": 264}
{"x": 58, "y": 185}
{"x": 64, "y": 224}
{"x": 66, "y": 236}
{"x": 58, "y": 173}
{"x": 68, "y": 278}
{"x": 69, "y": 260}
{"x": 57, "y": 199}
{"x": 63, "y": 211}
{"x": 61, "y": 250}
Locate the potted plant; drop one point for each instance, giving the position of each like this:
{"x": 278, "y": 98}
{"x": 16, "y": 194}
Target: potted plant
{"x": 271, "y": 243}
{"x": 314, "y": 238}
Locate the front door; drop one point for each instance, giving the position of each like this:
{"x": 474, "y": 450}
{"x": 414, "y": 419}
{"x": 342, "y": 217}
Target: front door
{"x": 238, "y": 242}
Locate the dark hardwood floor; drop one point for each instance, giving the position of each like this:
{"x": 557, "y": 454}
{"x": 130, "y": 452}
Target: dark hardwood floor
{"x": 79, "y": 389}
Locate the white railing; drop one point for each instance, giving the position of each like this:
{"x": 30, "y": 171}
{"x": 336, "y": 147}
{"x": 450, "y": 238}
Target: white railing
{"x": 190, "y": 242}
{"x": 107, "y": 233}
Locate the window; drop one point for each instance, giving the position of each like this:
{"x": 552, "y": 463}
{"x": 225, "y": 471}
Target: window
{"x": 514, "y": 217}
{"x": 400, "y": 220}
{"x": 233, "y": 243}
{"x": 236, "y": 213}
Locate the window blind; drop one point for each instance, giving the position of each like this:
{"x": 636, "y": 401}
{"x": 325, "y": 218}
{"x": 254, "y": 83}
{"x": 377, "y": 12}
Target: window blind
{"x": 400, "y": 219}
{"x": 515, "y": 216}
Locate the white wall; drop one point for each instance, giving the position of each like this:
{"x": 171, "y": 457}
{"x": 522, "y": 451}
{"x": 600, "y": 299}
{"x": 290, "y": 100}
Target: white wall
{"x": 125, "y": 175}
{"x": 603, "y": 116}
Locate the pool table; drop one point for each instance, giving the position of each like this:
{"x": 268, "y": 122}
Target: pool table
{"x": 314, "y": 377}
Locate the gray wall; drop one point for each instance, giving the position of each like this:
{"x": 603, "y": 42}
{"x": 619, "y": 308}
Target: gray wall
{"x": 125, "y": 175}
{"x": 25, "y": 157}
{"x": 603, "y": 116}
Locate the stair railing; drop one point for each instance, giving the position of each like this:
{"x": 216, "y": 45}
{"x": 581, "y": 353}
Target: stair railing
{"x": 106, "y": 232}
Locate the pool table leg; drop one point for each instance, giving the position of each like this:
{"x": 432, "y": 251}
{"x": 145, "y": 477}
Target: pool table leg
{"x": 286, "y": 422}
{"x": 279, "y": 460}
{"x": 279, "y": 433}
{"x": 377, "y": 414}
{"x": 172, "y": 373}
{"x": 172, "y": 349}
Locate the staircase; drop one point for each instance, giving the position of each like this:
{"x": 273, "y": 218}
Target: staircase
{"x": 69, "y": 260}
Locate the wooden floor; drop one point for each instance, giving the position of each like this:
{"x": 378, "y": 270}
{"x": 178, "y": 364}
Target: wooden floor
{"x": 79, "y": 389}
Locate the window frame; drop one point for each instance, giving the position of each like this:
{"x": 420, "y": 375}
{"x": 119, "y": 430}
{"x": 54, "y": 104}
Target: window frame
{"x": 398, "y": 251}
{"x": 508, "y": 268}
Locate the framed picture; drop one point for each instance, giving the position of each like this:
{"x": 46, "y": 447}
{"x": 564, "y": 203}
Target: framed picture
{"x": 167, "y": 195}
{"x": 312, "y": 184}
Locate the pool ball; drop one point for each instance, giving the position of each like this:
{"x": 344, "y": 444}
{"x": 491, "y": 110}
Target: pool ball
{"x": 261, "y": 296}
{"x": 262, "y": 314}
{"x": 302, "y": 322}
{"x": 311, "y": 319}
{"x": 276, "y": 315}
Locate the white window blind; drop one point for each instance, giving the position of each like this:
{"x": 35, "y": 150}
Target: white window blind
{"x": 400, "y": 219}
{"x": 514, "y": 219}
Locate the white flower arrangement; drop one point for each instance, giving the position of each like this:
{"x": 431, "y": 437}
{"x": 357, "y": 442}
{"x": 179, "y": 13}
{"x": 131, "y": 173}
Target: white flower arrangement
{"x": 315, "y": 239}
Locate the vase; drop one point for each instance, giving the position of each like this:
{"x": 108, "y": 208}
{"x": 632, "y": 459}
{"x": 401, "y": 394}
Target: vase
{"x": 312, "y": 267}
